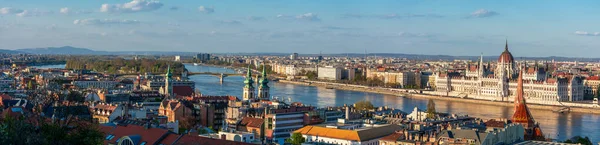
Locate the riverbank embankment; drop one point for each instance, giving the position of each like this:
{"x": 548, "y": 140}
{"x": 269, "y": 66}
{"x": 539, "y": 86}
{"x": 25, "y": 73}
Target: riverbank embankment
{"x": 416, "y": 95}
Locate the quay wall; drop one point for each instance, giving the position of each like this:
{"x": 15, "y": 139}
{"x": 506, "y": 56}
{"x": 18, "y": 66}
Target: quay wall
{"x": 574, "y": 107}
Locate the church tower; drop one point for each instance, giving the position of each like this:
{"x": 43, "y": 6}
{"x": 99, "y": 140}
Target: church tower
{"x": 168, "y": 88}
{"x": 248, "y": 88}
{"x": 523, "y": 116}
{"x": 263, "y": 89}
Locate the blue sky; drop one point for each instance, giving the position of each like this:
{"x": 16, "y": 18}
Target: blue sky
{"x": 453, "y": 27}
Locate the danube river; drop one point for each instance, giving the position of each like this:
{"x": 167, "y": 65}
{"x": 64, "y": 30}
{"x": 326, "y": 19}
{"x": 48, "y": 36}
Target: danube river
{"x": 554, "y": 125}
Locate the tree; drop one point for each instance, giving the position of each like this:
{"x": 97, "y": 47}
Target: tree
{"x": 579, "y": 140}
{"x": 363, "y": 105}
{"x": 311, "y": 75}
{"x": 30, "y": 85}
{"x": 597, "y": 92}
{"x": 296, "y": 139}
{"x": 188, "y": 123}
{"x": 431, "y": 109}
{"x": 75, "y": 96}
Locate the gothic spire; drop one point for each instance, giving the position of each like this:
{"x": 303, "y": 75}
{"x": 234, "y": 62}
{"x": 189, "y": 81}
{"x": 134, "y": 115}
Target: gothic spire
{"x": 481, "y": 62}
{"x": 522, "y": 114}
{"x": 506, "y": 45}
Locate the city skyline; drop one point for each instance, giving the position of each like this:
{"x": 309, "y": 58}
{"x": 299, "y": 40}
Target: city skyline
{"x": 456, "y": 28}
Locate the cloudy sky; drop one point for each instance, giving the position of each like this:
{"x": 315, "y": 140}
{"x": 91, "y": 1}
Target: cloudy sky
{"x": 454, "y": 27}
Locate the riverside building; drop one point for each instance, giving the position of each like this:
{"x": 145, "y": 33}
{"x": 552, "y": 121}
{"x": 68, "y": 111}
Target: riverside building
{"x": 499, "y": 84}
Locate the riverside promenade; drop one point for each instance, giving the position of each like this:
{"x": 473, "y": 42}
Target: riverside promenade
{"x": 414, "y": 94}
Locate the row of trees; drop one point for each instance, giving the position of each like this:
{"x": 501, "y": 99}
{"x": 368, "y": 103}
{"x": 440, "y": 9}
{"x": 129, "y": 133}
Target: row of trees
{"x": 120, "y": 65}
{"x": 20, "y": 131}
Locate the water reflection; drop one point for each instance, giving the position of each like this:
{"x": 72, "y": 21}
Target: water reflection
{"x": 554, "y": 125}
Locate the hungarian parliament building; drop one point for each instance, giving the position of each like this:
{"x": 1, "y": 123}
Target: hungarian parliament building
{"x": 482, "y": 81}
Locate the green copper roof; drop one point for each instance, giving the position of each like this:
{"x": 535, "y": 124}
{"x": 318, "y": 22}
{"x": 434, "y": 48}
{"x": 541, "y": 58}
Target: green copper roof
{"x": 249, "y": 80}
{"x": 264, "y": 81}
{"x": 169, "y": 71}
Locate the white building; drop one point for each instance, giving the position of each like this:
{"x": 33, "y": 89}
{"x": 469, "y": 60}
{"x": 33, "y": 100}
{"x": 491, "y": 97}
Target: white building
{"x": 238, "y": 136}
{"x": 177, "y": 58}
{"x": 294, "y": 56}
{"x": 510, "y": 134}
{"x": 361, "y": 136}
{"x": 95, "y": 84}
{"x": 501, "y": 85}
{"x": 329, "y": 73}
{"x": 417, "y": 114}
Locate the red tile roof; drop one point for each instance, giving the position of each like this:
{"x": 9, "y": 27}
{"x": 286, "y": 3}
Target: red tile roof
{"x": 106, "y": 107}
{"x": 5, "y": 97}
{"x": 593, "y": 78}
{"x": 170, "y": 139}
{"x": 495, "y": 123}
{"x": 198, "y": 140}
{"x": 183, "y": 90}
{"x": 252, "y": 122}
{"x": 150, "y": 136}
{"x": 393, "y": 137}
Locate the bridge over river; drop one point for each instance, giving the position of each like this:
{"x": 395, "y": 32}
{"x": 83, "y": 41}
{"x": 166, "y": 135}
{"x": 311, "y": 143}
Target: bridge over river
{"x": 220, "y": 75}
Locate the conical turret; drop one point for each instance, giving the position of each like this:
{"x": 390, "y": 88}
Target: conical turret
{"x": 522, "y": 114}
{"x": 168, "y": 74}
{"x": 264, "y": 80}
{"x": 263, "y": 89}
{"x": 249, "y": 80}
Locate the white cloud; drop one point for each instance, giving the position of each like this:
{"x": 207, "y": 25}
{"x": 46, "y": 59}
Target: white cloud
{"x": 308, "y": 17}
{"x": 585, "y": 33}
{"x": 255, "y": 18}
{"x": 304, "y": 17}
{"x": 130, "y": 7}
{"x": 392, "y": 16}
{"x": 64, "y": 10}
{"x": 32, "y": 13}
{"x": 9, "y": 10}
{"x": 282, "y": 16}
{"x": 483, "y": 13}
{"x": 408, "y": 34}
{"x": 230, "y": 22}
{"x": 104, "y": 22}
{"x": 68, "y": 11}
{"x": 207, "y": 10}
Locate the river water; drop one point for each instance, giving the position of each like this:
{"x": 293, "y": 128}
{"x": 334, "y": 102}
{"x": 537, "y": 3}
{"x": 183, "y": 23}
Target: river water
{"x": 554, "y": 125}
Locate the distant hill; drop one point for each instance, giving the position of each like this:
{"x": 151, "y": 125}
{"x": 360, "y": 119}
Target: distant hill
{"x": 62, "y": 50}
{"x": 10, "y": 51}
{"x": 69, "y": 50}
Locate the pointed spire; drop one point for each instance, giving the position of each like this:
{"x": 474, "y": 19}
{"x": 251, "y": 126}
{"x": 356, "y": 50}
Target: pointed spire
{"x": 520, "y": 98}
{"x": 249, "y": 80}
{"x": 264, "y": 72}
{"x": 249, "y": 73}
{"x": 168, "y": 74}
{"x": 481, "y": 62}
{"x": 264, "y": 81}
{"x": 506, "y": 45}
